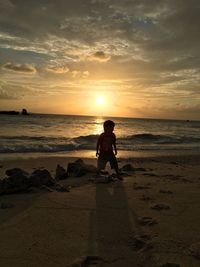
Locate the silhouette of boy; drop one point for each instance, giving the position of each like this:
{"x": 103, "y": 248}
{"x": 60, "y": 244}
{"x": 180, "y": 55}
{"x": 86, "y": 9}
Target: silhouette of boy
{"x": 105, "y": 144}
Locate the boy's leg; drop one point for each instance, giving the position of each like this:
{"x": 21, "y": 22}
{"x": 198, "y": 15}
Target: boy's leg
{"x": 114, "y": 165}
{"x": 101, "y": 164}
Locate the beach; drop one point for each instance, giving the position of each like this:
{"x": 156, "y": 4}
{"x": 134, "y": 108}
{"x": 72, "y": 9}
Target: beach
{"x": 151, "y": 218}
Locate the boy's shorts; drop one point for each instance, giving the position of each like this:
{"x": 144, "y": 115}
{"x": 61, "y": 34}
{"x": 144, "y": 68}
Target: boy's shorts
{"x": 103, "y": 159}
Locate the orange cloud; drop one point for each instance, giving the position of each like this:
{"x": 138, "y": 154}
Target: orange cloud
{"x": 57, "y": 69}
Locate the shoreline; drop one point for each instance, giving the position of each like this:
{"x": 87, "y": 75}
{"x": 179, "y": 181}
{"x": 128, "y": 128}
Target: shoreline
{"x": 91, "y": 154}
{"x": 30, "y": 161}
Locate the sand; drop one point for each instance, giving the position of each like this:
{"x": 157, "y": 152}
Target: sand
{"x": 105, "y": 224}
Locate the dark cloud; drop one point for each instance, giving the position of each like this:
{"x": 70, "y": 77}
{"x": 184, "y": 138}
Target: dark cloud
{"x": 20, "y": 67}
{"x": 100, "y": 56}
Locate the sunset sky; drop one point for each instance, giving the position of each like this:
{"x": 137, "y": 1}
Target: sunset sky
{"x": 131, "y": 58}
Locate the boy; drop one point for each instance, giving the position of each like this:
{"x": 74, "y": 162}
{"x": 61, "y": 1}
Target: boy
{"x": 105, "y": 144}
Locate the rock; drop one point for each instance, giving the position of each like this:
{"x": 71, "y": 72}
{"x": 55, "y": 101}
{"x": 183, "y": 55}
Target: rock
{"x": 3, "y": 186}
{"x": 46, "y": 188}
{"x": 24, "y": 112}
{"x": 195, "y": 250}
{"x": 61, "y": 173}
{"x": 79, "y": 168}
{"x": 16, "y": 171}
{"x": 169, "y": 264}
{"x": 160, "y": 207}
{"x": 128, "y": 168}
{"x": 14, "y": 184}
{"x": 41, "y": 177}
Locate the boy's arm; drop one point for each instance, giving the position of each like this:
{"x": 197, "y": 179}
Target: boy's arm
{"x": 115, "y": 148}
{"x": 114, "y": 145}
{"x": 98, "y": 145}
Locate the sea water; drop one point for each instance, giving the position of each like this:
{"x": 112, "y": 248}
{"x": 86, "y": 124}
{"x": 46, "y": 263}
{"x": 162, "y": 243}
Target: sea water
{"x": 42, "y": 133}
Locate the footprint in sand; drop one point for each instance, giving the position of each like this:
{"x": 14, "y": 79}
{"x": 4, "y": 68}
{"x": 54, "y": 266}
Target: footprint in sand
{"x": 146, "y": 198}
{"x": 89, "y": 261}
{"x": 141, "y": 243}
{"x": 195, "y": 250}
{"x": 172, "y": 177}
{"x": 150, "y": 174}
{"x": 140, "y": 187}
{"x": 147, "y": 221}
{"x": 160, "y": 207}
{"x": 166, "y": 192}
{"x": 169, "y": 264}
{"x": 185, "y": 180}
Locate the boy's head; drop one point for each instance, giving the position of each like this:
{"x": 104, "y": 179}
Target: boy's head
{"x": 109, "y": 125}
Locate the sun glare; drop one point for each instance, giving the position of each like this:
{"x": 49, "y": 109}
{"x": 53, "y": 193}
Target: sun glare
{"x": 100, "y": 100}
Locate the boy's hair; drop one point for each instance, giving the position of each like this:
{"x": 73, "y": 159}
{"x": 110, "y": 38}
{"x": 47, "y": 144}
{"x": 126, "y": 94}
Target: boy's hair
{"x": 108, "y": 124}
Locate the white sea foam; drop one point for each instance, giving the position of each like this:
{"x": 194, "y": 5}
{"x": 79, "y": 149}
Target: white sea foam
{"x": 60, "y": 133}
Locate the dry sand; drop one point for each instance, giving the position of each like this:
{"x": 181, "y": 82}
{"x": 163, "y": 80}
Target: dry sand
{"x": 105, "y": 220}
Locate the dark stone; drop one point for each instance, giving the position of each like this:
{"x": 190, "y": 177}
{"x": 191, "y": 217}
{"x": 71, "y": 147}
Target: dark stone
{"x": 24, "y": 112}
{"x": 41, "y": 177}
{"x": 61, "y": 173}
{"x": 79, "y": 168}
{"x": 16, "y": 171}
{"x": 14, "y": 184}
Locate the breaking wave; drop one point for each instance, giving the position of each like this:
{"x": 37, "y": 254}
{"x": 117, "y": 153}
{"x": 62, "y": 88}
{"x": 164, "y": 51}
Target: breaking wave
{"x": 137, "y": 142}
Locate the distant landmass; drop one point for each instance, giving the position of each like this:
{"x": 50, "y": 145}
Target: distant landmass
{"x": 13, "y": 112}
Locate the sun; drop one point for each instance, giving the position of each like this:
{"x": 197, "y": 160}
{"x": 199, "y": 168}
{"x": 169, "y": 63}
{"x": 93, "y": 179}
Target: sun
{"x": 100, "y": 100}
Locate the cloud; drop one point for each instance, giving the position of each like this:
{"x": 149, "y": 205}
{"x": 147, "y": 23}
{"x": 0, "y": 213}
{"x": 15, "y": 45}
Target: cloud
{"x": 26, "y": 68}
{"x": 58, "y": 69}
{"x": 80, "y": 74}
{"x": 4, "y": 95}
{"x": 153, "y": 44}
{"x": 100, "y": 56}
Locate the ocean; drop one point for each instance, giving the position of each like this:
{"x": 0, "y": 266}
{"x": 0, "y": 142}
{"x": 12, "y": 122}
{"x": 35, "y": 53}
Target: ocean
{"x": 77, "y": 135}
